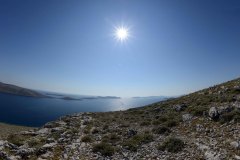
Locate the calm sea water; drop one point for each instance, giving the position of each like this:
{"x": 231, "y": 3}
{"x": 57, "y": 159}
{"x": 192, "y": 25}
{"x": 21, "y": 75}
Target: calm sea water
{"x": 31, "y": 111}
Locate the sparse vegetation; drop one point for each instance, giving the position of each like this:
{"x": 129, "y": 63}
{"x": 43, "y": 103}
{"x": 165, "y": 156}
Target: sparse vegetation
{"x": 145, "y": 123}
{"x": 133, "y": 143}
{"x": 227, "y": 117}
{"x": 171, "y": 123}
{"x": 198, "y": 110}
{"x": 95, "y": 131}
{"x": 17, "y": 139}
{"x": 86, "y": 138}
{"x": 104, "y": 148}
{"x": 161, "y": 130}
{"x": 172, "y": 145}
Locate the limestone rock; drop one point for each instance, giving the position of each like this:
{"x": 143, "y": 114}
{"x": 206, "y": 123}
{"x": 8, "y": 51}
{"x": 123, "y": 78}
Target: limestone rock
{"x": 213, "y": 113}
{"x": 187, "y": 117}
{"x": 235, "y": 145}
{"x": 180, "y": 107}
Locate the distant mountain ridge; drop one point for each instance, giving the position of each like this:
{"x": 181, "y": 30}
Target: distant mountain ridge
{"x": 20, "y": 91}
{"x": 16, "y": 90}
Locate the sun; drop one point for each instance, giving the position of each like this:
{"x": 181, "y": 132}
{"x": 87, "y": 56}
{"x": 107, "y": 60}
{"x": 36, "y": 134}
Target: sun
{"x": 121, "y": 33}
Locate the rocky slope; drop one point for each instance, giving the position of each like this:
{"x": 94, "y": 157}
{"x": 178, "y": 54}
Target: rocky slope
{"x": 12, "y": 89}
{"x": 201, "y": 125}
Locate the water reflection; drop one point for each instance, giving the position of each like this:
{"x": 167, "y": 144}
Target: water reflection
{"x": 37, "y": 111}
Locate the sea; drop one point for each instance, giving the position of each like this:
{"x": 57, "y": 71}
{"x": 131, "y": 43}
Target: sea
{"x": 35, "y": 112}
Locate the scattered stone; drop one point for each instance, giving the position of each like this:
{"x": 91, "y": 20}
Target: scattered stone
{"x": 224, "y": 109}
{"x": 213, "y": 113}
{"x": 24, "y": 152}
{"x": 237, "y": 88}
{"x": 131, "y": 133}
{"x": 180, "y": 107}
{"x": 158, "y": 110}
{"x": 43, "y": 131}
{"x": 49, "y": 145}
{"x": 187, "y": 117}
{"x": 47, "y": 155}
{"x": 29, "y": 133}
{"x": 235, "y": 145}
{"x": 210, "y": 155}
{"x": 199, "y": 128}
{"x": 237, "y": 157}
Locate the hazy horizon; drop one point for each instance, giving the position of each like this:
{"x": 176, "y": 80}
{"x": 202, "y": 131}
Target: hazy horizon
{"x": 173, "y": 47}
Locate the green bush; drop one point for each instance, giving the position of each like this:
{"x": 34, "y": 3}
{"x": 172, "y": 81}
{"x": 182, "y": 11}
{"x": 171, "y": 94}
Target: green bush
{"x": 171, "y": 123}
{"x": 104, "y": 148}
{"x": 105, "y": 127}
{"x": 95, "y": 131}
{"x": 87, "y": 129}
{"x": 111, "y": 138}
{"x": 161, "y": 130}
{"x": 146, "y": 138}
{"x": 114, "y": 138}
{"x": 156, "y": 122}
{"x": 36, "y": 142}
{"x": 237, "y": 118}
{"x": 145, "y": 123}
{"x": 235, "y": 91}
{"x": 163, "y": 119}
{"x": 172, "y": 145}
{"x": 198, "y": 111}
{"x": 86, "y": 138}
{"x": 227, "y": 117}
{"x": 133, "y": 143}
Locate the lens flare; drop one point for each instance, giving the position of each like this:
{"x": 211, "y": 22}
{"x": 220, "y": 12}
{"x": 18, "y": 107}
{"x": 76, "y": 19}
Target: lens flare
{"x": 121, "y": 33}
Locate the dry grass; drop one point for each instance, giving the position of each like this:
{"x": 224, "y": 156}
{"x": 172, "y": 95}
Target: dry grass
{"x": 7, "y": 129}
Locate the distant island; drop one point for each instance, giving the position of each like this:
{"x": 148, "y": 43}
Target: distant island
{"x": 20, "y": 91}
{"x": 91, "y": 97}
{"x": 152, "y": 97}
{"x": 16, "y": 90}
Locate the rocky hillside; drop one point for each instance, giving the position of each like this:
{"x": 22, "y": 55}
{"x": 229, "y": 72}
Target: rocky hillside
{"x": 201, "y": 125}
{"x": 12, "y": 89}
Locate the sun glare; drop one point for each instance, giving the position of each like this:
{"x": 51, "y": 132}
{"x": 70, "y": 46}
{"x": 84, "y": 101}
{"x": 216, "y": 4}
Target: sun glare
{"x": 121, "y": 33}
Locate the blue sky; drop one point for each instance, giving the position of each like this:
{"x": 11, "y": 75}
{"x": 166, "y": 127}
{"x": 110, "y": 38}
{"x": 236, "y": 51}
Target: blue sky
{"x": 176, "y": 46}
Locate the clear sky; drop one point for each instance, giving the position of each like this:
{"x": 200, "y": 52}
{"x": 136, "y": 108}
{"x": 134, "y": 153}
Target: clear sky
{"x": 175, "y": 47}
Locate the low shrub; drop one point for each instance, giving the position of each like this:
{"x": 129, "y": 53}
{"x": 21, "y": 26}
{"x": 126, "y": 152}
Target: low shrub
{"x": 163, "y": 119}
{"x": 161, "y": 130}
{"x": 86, "y": 138}
{"x": 114, "y": 138}
{"x": 156, "y": 122}
{"x": 171, "y": 123}
{"x": 95, "y": 131}
{"x": 145, "y": 123}
{"x": 111, "y": 138}
{"x": 104, "y": 148}
{"x": 36, "y": 142}
{"x": 105, "y": 127}
{"x": 133, "y": 143}
{"x": 198, "y": 111}
{"x": 227, "y": 117}
{"x": 87, "y": 129}
{"x": 172, "y": 145}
